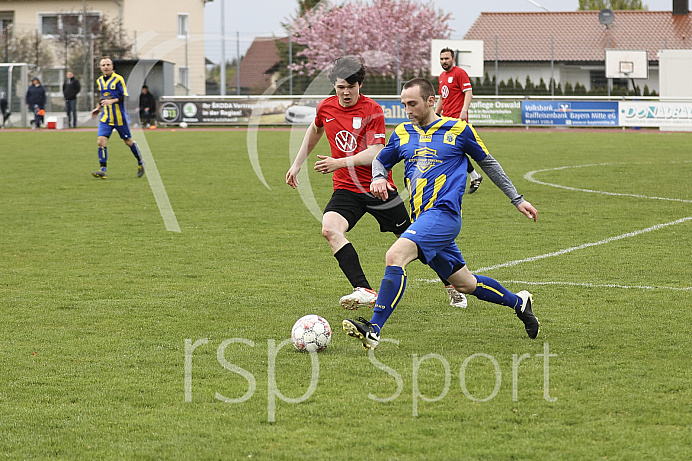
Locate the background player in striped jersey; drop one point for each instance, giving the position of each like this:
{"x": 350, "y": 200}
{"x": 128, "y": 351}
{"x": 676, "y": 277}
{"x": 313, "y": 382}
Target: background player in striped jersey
{"x": 455, "y": 98}
{"x": 434, "y": 153}
{"x": 113, "y": 92}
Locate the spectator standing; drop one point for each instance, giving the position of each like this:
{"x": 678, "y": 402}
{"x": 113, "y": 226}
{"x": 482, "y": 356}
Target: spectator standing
{"x": 147, "y": 106}
{"x": 36, "y": 100}
{"x": 70, "y": 90}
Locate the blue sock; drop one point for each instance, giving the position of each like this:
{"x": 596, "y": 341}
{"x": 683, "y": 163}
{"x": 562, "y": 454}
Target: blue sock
{"x": 135, "y": 151}
{"x": 103, "y": 156}
{"x": 391, "y": 290}
{"x": 490, "y": 290}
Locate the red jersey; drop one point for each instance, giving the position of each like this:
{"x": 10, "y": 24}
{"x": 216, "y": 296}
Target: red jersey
{"x": 349, "y": 131}
{"x": 453, "y": 87}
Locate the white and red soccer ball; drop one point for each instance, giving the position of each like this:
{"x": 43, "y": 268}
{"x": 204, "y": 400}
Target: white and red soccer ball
{"x": 311, "y": 333}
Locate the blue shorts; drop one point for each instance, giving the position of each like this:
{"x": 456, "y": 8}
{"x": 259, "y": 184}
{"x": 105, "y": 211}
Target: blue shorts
{"x": 434, "y": 232}
{"x": 106, "y": 130}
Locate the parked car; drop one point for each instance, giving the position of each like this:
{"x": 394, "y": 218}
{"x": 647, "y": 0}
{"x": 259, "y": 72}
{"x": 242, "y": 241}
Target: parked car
{"x": 300, "y": 114}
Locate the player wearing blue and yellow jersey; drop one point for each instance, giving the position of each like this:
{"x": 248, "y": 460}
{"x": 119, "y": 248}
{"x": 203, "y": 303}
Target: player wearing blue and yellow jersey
{"x": 433, "y": 151}
{"x": 113, "y": 92}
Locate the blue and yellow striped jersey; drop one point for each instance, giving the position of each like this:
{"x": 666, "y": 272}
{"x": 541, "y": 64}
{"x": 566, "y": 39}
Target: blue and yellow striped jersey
{"x": 113, "y": 87}
{"x": 435, "y": 164}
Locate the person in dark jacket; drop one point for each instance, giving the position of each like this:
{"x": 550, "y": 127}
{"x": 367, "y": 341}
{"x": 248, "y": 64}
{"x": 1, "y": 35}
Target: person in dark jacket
{"x": 36, "y": 100}
{"x": 147, "y": 105}
{"x": 70, "y": 89}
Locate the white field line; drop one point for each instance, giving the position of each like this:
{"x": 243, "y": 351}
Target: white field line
{"x": 585, "y": 245}
{"x": 577, "y": 284}
{"x": 530, "y": 177}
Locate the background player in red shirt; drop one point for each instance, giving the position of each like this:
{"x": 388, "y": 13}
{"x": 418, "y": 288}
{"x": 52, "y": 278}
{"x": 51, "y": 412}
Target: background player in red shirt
{"x": 456, "y": 94}
{"x": 353, "y": 124}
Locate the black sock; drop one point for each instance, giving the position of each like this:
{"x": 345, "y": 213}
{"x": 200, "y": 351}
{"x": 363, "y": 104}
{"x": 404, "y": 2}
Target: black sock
{"x": 350, "y": 265}
{"x": 445, "y": 281}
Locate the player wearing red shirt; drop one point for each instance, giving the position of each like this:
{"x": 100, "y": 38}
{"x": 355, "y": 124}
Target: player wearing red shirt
{"x": 455, "y": 98}
{"x": 353, "y": 124}
{"x": 351, "y": 130}
{"x": 453, "y": 89}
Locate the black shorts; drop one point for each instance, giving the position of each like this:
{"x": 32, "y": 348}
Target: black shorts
{"x": 391, "y": 215}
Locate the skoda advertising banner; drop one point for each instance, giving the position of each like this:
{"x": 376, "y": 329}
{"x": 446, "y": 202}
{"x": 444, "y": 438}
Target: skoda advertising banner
{"x": 238, "y": 111}
{"x": 570, "y": 113}
{"x": 656, "y": 114}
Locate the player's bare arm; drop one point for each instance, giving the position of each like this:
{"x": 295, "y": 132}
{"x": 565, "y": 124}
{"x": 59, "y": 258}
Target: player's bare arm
{"x": 529, "y": 210}
{"x": 380, "y": 188}
{"x": 312, "y": 137}
{"x": 464, "y": 115}
{"x": 365, "y": 157}
{"x": 438, "y": 106}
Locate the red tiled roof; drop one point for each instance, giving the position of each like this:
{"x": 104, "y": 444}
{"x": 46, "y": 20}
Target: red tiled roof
{"x": 258, "y": 64}
{"x": 578, "y": 35}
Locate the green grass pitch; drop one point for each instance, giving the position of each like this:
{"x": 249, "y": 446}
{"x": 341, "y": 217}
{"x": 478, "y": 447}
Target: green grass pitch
{"x": 120, "y": 339}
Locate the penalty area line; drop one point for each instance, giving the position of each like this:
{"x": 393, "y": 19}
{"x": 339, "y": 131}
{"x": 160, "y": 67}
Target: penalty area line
{"x": 585, "y": 245}
{"x": 578, "y": 284}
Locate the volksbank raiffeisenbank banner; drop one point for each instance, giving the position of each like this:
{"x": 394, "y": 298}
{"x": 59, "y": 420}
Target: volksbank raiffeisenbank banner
{"x": 570, "y": 113}
{"x": 656, "y": 114}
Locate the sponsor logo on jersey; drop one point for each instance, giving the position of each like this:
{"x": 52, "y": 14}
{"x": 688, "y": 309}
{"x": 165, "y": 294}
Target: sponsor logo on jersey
{"x": 345, "y": 141}
{"x": 425, "y": 159}
{"x": 444, "y": 91}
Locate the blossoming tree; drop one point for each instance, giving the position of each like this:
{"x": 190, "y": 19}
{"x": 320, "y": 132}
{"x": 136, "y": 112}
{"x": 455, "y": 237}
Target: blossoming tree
{"x": 379, "y": 32}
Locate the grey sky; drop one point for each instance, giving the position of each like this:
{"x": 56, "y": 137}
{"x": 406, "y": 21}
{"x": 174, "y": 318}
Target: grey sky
{"x": 247, "y": 19}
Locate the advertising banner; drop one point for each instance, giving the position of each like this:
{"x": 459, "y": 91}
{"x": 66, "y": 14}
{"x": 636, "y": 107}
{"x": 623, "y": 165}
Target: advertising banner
{"x": 238, "y": 111}
{"x": 394, "y": 112}
{"x": 653, "y": 113}
{"x": 503, "y": 112}
{"x": 570, "y": 113}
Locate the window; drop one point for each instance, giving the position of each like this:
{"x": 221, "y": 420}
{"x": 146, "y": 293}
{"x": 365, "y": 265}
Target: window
{"x": 184, "y": 76}
{"x": 69, "y": 23}
{"x": 6, "y": 20}
{"x": 183, "y": 25}
{"x": 598, "y": 79}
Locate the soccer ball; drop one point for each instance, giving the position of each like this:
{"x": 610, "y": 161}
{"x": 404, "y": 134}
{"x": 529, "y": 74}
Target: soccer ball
{"x": 183, "y": 124}
{"x": 311, "y": 333}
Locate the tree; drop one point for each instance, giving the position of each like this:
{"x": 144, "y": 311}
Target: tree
{"x": 328, "y": 31}
{"x": 611, "y": 4}
{"x": 27, "y": 47}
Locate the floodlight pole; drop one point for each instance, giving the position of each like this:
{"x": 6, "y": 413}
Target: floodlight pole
{"x": 84, "y": 57}
{"x": 290, "y": 64}
{"x": 496, "y": 70}
{"x": 398, "y": 77}
{"x": 552, "y": 68}
{"x": 222, "y": 68}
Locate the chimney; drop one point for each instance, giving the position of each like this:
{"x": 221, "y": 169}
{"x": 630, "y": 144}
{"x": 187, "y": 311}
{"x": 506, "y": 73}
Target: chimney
{"x": 681, "y": 7}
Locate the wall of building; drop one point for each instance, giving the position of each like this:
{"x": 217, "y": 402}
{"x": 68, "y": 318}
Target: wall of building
{"x": 151, "y": 26}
